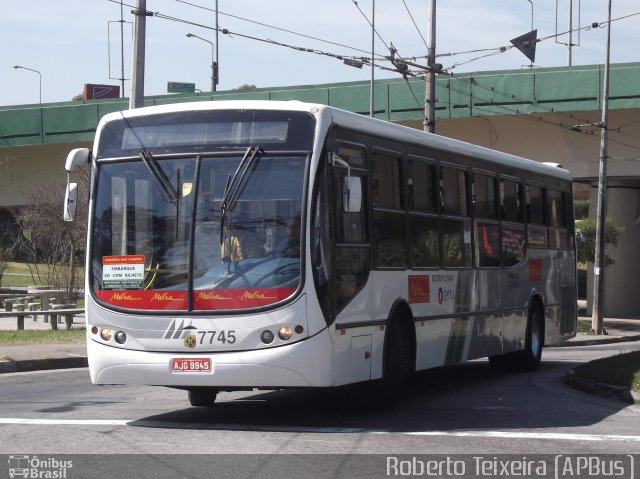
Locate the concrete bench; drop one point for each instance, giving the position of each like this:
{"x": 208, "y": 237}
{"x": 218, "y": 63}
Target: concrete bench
{"x": 68, "y": 318}
{"x": 68, "y": 313}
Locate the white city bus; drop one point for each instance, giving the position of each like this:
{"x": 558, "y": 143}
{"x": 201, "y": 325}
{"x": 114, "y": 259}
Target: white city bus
{"x": 412, "y": 251}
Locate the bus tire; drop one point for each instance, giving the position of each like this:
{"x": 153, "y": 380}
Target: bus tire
{"x": 202, "y": 397}
{"x": 387, "y": 389}
{"x": 529, "y": 357}
{"x": 397, "y": 363}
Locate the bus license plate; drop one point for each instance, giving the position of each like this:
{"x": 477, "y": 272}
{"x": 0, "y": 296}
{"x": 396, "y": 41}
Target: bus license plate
{"x": 191, "y": 365}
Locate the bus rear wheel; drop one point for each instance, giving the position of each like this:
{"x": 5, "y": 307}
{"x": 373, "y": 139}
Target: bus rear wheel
{"x": 202, "y": 397}
{"x": 529, "y": 357}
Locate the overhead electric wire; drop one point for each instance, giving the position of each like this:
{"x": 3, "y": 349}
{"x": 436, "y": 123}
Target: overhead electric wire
{"x": 273, "y": 27}
{"x": 414, "y": 23}
{"x": 471, "y": 80}
{"x": 370, "y": 24}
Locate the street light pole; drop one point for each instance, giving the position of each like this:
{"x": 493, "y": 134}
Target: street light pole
{"x": 35, "y": 71}
{"x": 213, "y": 58}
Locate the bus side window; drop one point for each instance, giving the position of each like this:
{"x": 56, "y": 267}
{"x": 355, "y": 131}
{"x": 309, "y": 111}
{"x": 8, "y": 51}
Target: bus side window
{"x": 511, "y": 200}
{"x": 487, "y": 228}
{"x": 535, "y": 205}
{"x": 389, "y": 217}
{"x": 352, "y": 249}
{"x": 456, "y": 232}
{"x": 424, "y": 244}
{"x": 453, "y": 192}
{"x": 558, "y": 238}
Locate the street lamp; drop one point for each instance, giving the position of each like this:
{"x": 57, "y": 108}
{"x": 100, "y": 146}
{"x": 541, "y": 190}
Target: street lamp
{"x": 214, "y": 64}
{"x": 35, "y": 71}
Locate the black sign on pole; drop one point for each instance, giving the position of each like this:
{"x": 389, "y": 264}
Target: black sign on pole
{"x": 527, "y": 44}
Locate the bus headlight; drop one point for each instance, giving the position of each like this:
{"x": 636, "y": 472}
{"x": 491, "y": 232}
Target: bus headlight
{"x": 106, "y": 334}
{"x": 285, "y": 333}
{"x": 267, "y": 336}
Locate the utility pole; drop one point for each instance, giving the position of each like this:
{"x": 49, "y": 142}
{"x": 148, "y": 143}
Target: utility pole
{"x": 598, "y": 266}
{"x": 216, "y": 67}
{"x": 372, "y": 107}
{"x": 569, "y": 59}
{"x": 429, "y": 122}
{"x": 136, "y": 100}
{"x": 121, "y": 49}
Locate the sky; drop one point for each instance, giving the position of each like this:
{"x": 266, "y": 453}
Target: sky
{"x": 73, "y": 42}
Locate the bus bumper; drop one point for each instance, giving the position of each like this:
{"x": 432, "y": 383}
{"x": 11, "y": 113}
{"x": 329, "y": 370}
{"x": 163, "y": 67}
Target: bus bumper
{"x": 303, "y": 364}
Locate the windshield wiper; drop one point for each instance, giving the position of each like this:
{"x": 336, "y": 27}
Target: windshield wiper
{"x": 169, "y": 192}
{"x": 235, "y": 181}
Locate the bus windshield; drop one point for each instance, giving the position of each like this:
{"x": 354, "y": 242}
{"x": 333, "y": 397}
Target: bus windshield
{"x": 152, "y": 253}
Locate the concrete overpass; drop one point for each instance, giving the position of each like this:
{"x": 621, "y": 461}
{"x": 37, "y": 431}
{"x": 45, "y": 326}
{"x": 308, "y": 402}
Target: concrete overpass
{"x": 531, "y": 113}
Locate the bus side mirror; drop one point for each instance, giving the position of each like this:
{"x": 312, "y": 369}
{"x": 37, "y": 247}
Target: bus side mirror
{"x": 78, "y": 156}
{"x": 352, "y": 194}
{"x": 70, "y": 201}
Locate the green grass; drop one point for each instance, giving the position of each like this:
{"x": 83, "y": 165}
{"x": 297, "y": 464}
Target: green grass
{"x": 19, "y": 275}
{"x": 15, "y": 338}
{"x": 584, "y": 326}
{"x": 621, "y": 370}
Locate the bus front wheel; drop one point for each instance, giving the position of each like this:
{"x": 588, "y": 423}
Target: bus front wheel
{"x": 387, "y": 390}
{"x": 202, "y": 397}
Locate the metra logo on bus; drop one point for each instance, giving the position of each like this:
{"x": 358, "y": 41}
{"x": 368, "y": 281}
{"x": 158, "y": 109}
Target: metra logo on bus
{"x": 163, "y": 297}
{"x": 211, "y": 296}
{"x": 248, "y": 295}
{"x": 123, "y": 297}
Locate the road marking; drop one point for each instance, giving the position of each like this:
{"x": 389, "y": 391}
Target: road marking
{"x": 331, "y": 430}
{"x": 528, "y": 435}
{"x": 64, "y": 422}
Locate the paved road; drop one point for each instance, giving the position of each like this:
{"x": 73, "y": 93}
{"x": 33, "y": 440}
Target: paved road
{"x": 465, "y": 409}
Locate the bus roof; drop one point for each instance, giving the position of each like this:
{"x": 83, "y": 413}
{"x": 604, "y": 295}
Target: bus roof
{"x": 358, "y": 122}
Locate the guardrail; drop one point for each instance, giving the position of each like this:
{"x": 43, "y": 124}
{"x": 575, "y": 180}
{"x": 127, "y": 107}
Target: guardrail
{"x": 68, "y": 314}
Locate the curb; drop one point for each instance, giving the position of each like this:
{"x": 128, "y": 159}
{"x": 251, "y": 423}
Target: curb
{"x": 600, "y": 340}
{"x": 621, "y": 393}
{"x": 11, "y": 366}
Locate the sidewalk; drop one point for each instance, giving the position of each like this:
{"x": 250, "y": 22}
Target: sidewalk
{"x": 35, "y": 357}
{"x": 32, "y": 357}
{"x": 618, "y": 331}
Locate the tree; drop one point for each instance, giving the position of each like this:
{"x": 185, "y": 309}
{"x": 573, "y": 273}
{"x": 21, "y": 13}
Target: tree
{"x": 586, "y": 239}
{"x": 246, "y": 87}
{"x": 46, "y": 239}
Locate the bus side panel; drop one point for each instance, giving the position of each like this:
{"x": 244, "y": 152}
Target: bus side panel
{"x": 486, "y": 336}
{"x": 432, "y": 337}
{"x": 514, "y": 329}
{"x": 357, "y": 354}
